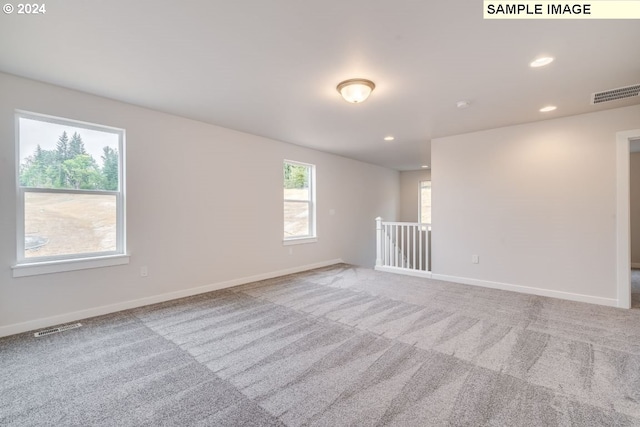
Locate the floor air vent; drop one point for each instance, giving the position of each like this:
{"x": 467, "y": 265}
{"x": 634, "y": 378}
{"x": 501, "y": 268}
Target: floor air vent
{"x": 615, "y": 94}
{"x": 56, "y": 330}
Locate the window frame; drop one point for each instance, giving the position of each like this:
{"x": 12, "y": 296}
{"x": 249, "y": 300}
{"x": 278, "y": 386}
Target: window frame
{"x": 311, "y": 203}
{"x": 68, "y": 262}
{"x": 420, "y": 200}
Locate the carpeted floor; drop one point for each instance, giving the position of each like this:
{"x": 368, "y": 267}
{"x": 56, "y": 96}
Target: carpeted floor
{"x": 333, "y": 347}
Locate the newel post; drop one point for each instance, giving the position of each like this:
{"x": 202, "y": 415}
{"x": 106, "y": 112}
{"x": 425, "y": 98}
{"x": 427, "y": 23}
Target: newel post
{"x": 378, "y": 241}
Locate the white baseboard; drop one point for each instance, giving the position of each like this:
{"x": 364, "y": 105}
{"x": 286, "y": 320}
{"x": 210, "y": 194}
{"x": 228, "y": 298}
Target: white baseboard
{"x": 611, "y": 302}
{"x": 635, "y": 265}
{"x": 45, "y": 322}
{"x": 405, "y": 271}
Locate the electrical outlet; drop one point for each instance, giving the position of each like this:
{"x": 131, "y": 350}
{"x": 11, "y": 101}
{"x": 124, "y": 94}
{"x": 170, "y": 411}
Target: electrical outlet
{"x": 144, "y": 271}
{"x": 475, "y": 259}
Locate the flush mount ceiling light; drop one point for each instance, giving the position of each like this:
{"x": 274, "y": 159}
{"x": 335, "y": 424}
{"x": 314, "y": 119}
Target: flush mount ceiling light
{"x": 356, "y": 90}
{"x": 389, "y": 138}
{"x": 541, "y": 62}
{"x": 425, "y": 166}
{"x": 548, "y": 108}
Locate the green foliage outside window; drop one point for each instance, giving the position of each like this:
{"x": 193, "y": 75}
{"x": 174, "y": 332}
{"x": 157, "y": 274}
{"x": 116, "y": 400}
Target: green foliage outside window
{"x": 70, "y": 166}
{"x": 296, "y": 176}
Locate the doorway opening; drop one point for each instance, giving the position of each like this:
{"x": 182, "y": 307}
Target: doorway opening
{"x": 625, "y": 141}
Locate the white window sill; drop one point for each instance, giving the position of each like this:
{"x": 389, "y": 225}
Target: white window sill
{"x": 58, "y": 266}
{"x": 299, "y": 241}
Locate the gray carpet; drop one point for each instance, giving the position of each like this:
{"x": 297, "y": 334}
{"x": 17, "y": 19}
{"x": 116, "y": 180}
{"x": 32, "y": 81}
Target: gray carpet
{"x": 336, "y": 346}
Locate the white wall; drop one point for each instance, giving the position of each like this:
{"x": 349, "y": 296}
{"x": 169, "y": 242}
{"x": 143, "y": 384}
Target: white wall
{"x": 204, "y": 206}
{"x": 536, "y": 202}
{"x": 410, "y": 193}
{"x": 635, "y": 208}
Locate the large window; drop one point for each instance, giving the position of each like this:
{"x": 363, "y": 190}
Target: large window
{"x": 425, "y": 202}
{"x": 299, "y": 202}
{"x": 70, "y": 190}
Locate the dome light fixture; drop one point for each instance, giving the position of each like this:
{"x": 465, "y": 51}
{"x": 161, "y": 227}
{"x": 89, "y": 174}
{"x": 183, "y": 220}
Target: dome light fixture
{"x": 355, "y": 91}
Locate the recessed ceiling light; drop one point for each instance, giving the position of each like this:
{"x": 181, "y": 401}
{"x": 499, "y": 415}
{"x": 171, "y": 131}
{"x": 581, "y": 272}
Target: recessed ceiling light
{"x": 541, "y": 62}
{"x": 425, "y": 166}
{"x": 548, "y": 108}
{"x": 389, "y": 138}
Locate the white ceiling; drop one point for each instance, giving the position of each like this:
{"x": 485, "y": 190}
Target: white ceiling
{"x": 270, "y": 67}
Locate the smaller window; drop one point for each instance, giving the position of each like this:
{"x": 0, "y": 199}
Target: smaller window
{"x": 299, "y": 201}
{"x": 425, "y": 202}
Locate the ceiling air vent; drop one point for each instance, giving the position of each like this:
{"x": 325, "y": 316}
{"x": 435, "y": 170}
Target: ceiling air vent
{"x": 615, "y": 94}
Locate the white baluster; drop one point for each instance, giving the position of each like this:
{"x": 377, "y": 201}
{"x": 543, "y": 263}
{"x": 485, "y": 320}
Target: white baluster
{"x": 395, "y": 245}
{"x": 420, "y": 246}
{"x": 426, "y": 249}
{"x": 379, "y": 238}
{"x": 386, "y": 244}
{"x": 413, "y": 252}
